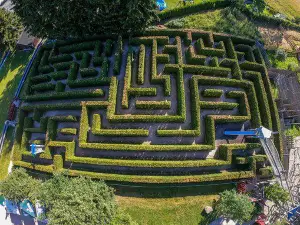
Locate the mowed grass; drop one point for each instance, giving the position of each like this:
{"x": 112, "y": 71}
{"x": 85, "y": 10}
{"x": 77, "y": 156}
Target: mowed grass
{"x": 177, "y": 3}
{"x": 290, "y": 8}
{"x": 10, "y": 76}
{"x": 6, "y": 154}
{"x": 221, "y": 20}
{"x": 166, "y": 211}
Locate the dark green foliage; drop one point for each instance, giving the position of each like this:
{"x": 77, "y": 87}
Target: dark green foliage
{"x": 60, "y": 87}
{"x": 60, "y": 58}
{"x": 92, "y": 203}
{"x": 10, "y": 30}
{"x": 84, "y": 17}
{"x": 43, "y": 87}
{"x": 88, "y": 72}
{"x": 212, "y": 93}
{"x": 85, "y": 62}
{"x": 62, "y": 66}
{"x": 237, "y": 207}
{"x": 18, "y": 185}
{"x": 277, "y": 194}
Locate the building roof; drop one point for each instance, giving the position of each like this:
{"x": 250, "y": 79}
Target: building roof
{"x": 27, "y": 40}
{"x": 6, "y": 4}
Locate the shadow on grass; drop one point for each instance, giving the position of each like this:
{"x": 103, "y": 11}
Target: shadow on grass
{"x": 168, "y": 191}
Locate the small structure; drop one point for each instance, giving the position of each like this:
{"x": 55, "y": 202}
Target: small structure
{"x": 26, "y": 41}
{"x": 37, "y": 149}
{"x": 161, "y": 5}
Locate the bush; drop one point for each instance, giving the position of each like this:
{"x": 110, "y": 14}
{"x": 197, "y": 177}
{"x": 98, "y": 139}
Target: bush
{"x": 63, "y": 65}
{"x": 237, "y": 207}
{"x": 85, "y": 62}
{"x": 43, "y": 87}
{"x": 212, "y": 93}
{"x": 281, "y": 55}
{"x": 68, "y": 94}
{"x": 293, "y": 67}
{"x": 277, "y": 194}
{"x": 92, "y": 203}
{"x": 88, "y": 72}
{"x": 18, "y": 185}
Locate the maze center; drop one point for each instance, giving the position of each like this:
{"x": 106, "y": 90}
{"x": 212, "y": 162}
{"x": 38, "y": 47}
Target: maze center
{"x": 151, "y": 109}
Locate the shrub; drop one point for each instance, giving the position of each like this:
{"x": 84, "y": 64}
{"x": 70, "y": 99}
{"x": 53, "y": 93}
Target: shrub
{"x": 68, "y": 131}
{"x": 60, "y": 75}
{"x": 237, "y": 207}
{"x": 60, "y": 87}
{"x": 62, "y": 65}
{"x": 212, "y": 93}
{"x": 85, "y": 62}
{"x": 293, "y": 67}
{"x": 60, "y": 58}
{"x": 281, "y": 55}
{"x": 83, "y": 46}
{"x": 108, "y": 47}
{"x": 68, "y": 94}
{"x": 277, "y": 194}
{"x": 141, "y": 70}
{"x": 88, "y": 72}
{"x": 43, "y": 87}
{"x": 18, "y": 185}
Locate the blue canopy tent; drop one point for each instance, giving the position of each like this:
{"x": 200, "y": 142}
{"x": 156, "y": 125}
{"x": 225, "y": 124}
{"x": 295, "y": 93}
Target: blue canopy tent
{"x": 12, "y": 207}
{"x": 27, "y": 208}
{"x": 161, "y": 4}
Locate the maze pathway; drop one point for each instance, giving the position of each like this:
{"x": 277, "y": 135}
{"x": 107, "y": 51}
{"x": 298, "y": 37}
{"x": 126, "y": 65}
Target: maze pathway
{"x": 149, "y": 109}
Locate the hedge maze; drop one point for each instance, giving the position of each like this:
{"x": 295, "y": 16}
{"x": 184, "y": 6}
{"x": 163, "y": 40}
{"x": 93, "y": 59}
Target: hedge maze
{"x": 149, "y": 109}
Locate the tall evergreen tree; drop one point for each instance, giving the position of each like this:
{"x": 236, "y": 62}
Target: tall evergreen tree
{"x": 70, "y": 18}
{"x": 10, "y": 29}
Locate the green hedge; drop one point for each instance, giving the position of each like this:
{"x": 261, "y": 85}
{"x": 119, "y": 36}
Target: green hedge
{"x": 63, "y": 65}
{"x": 153, "y": 104}
{"x": 88, "y": 72}
{"x": 43, "y": 87}
{"x": 86, "y": 59}
{"x": 60, "y": 58}
{"x": 40, "y": 78}
{"x": 141, "y": 69}
{"x": 68, "y": 131}
{"x": 108, "y": 47}
{"x": 60, "y": 87}
{"x": 60, "y": 75}
{"x": 69, "y": 95}
{"x": 84, "y": 46}
{"x": 212, "y": 93}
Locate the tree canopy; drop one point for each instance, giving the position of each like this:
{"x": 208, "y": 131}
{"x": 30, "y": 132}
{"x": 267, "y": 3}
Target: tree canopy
{"x": 68, "y": 201}
{"x": 63, "y": 18}
{"x": 19, "y": 185}
{"x": 10, "y": 29}
{"x": 237, "y": 207}
{"x": 77, "y": 201}
{"x": 277, "y": 194}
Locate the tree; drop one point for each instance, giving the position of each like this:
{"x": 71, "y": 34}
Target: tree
{"x": 77, "y": 201}
{"x": 18, "y": 185}
{"x": 63, "y": 18}
{"x": 232, "y": 205}
{"x": 10, "y": 29}
{"x": 277, "y": 194}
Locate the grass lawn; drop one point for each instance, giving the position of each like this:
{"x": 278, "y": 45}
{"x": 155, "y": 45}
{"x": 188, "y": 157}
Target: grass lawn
{"x": 166, "y": 211}
{"x": 10, "y": 75}
{"x": 221, "y": 20}
{"x": 173, "y": 3}
{"x": 6, "y": 154}
{"x": 290, "y": 8}
{"x": 281, "y": 64}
